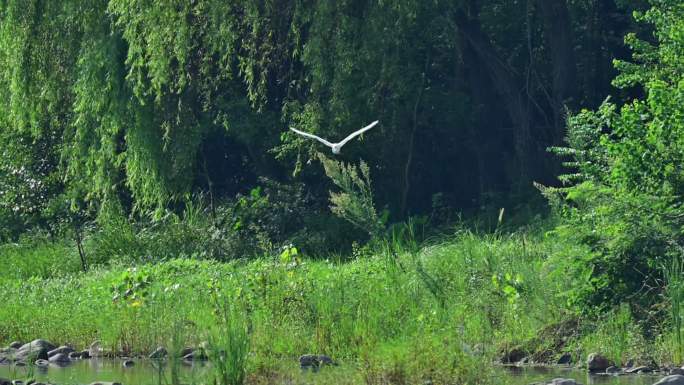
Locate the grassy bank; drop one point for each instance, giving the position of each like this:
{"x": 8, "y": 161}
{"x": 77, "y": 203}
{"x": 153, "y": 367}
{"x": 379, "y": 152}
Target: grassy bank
{"x": 443, "y": 311}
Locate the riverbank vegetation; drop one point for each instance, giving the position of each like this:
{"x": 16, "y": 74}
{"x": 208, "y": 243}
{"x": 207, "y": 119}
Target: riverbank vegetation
{"x": 504, "y": 209}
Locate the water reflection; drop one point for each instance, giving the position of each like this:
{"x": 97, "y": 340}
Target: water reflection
{"x": 145, "y": 372}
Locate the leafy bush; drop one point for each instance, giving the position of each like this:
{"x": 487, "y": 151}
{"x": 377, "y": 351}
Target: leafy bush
{"x": 623, "y": 202}
{"x": 355, "y": 202}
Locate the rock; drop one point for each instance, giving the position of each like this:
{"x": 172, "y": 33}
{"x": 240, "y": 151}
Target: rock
{"x": 613, "y": 370}
{"x": 105, "y": 383}
{"x": 679, "y": 371}
{"x": 128, "y": 364}
{"x": 34, "y": 349}
{"x": 195, "y": 356}
{"x": 62, "y": 349}
{"x": 159, "y": 353}
{"x": 639, "y": 369}
{"x": 85, "y": 354}
{"x": 314, "y": 361}
{"x": 524, "y": 361}
{"x": 185, "y": 352}
{"x": 597, "y": 363}
{"x": 17, "y": 382}
{"x": 4, "y": 381}
{"x": 565, "y": 359}
{"x": 675, "y": 379}
{"x": 42, "y": 363}
{"x": 15, "y": 345}
{"x": 59, "y": 358}
{"x": 563, "y": 381}
{"x": 512, "y": 356}
{"x": 95, "y": 349}
{"x": 74, "y": 355}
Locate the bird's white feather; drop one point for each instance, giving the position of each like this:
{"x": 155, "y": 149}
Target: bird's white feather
{"x": 336, "y": 146}
{"x": 359, "y": 132}
{"x": 312, "y": 136}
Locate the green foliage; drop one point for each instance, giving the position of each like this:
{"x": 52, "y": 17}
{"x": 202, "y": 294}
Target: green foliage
{"x": 624, "y": 203}
{"x": 228, "y": 342}
{"x": 358, "y": 312}
{"x": 355, "y": 202}
{"x": 38, "y": 257}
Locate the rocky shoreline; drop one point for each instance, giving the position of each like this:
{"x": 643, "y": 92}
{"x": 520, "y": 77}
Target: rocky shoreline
{"x": 43, "y": 354}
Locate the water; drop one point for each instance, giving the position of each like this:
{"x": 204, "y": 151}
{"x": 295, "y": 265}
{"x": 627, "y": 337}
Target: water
{"x": 525, "y": 376}
{"x": 146, "y": 373}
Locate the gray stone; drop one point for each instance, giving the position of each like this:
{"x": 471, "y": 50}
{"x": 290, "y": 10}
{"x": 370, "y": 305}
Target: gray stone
{"x": 512, "y": 356}
{"x": 613, "y": 370}
{"x": 15, "y": 345}
{"x": 59, "y": 358}
{"x": 42, "y": 363}
{"x": 105, "y": 383}
{"x": 679, "y": 371}
{"x": 85, "y": 354}
{"x": 185, "y": 351}
{"x": 4, "y": 381}
{"x": 62, "y": 349}
{"x": 17, "y": 382}
{"x": 563, "y": 381}
{"x": 75, "y": 355}
{"x": 597, "y": 363}
{"x": 95, "y": 349}
{"x": 36, "y": 348}
{"x": 197, "y": 355}
{"x": 639, "y": 369}
{"x": 158, "y": 353}
{"x": 314, "y": 361}
{"x": 675, "y": 379}
{"x": 128, "y": 364}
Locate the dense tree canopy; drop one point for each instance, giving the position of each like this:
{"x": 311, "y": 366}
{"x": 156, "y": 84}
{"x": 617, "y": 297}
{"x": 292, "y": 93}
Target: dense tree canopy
{"x": 140, "y": 104}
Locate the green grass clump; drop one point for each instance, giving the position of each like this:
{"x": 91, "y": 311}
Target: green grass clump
{"x": 38, "y": 257}
{"x": 398, "y": 313}
{"x": 401, "y": 312}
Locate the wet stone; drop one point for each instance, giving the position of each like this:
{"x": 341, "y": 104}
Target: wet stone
{"x": 159, "y": 353}
{"x": 675, "y": 379}
{"x": 62, "y": 349}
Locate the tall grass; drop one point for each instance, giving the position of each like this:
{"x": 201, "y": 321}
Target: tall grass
{"x": 674, "y": 290}
{"x": 228, "y": 343}
{"x": 401, "y": 312}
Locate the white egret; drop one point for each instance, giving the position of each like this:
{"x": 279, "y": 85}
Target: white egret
{"x": 336, "y": 147}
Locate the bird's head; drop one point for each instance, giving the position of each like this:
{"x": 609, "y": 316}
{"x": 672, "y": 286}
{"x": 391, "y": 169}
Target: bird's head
{"x": 336, "y": 149}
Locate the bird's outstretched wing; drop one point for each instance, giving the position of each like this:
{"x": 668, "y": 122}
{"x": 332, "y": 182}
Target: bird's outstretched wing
{"x": 359, "y": 132}
{"x": 312, "y": 136}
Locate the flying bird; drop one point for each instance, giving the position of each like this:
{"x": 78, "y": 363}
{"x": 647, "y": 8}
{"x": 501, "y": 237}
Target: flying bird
{"x": 336, "y": 147}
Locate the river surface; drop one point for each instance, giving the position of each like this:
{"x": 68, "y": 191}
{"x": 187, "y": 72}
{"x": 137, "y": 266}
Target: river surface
{"x": 145, "y": 373}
